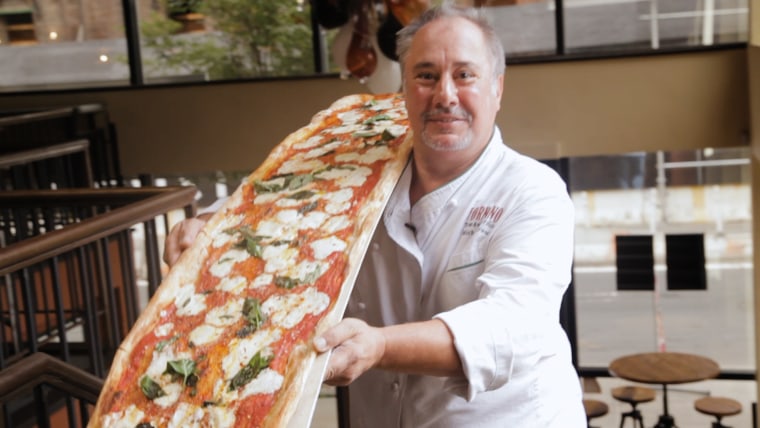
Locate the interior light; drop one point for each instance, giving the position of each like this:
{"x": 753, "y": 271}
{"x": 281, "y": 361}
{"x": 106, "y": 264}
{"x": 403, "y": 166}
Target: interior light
{"x": 103, "y": 58}
{"x": 53, "y": 35}
{"x": 708, "y": 152}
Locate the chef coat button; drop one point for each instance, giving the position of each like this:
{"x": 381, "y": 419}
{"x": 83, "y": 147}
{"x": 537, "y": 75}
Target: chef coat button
{"x": 362, "y": 306}
{"x": 375, "y": 246}
{"x": 395, "y": 386}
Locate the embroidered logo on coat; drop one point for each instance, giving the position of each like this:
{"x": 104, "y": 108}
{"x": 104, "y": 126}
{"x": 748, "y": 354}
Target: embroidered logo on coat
{"x": 482, "y": 219}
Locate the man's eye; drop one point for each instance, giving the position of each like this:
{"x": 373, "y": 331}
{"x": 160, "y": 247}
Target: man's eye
{"x": 425, "y": 76}
{"x": 465, "y": 75}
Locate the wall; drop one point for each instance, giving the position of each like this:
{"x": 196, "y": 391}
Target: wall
{"x": 556, "y": 109}
{"x": 753, "y": 71}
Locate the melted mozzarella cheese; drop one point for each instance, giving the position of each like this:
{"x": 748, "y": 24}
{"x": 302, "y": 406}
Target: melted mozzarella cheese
{"x": 224, "y": 265}
{"x": 262, "y": 280}
{"x": 312, "y": 220}
{"x": 383, "y": 104}
{"x": 336, "y": 223}
{"x": 232, "y": 284}
{"x": 266, "y": 198}
{"x": 372, "y": 155}
{"x": 319, "y": 151}
{"x": 348, "y": 128}
{"x": 299, "y": 165}
{"x": 172, "y": 390}
{"x": 312, "y": 141}
{"x": 354, "y": 176}
{"x": 225, "y": 315}
{"x": 307, "y": 271}
{"x": 267, "y": 382}
{"x": 220, "y": 236}
{"x": 351, "y": 116}
{"x": 127, "y": 418}
{"x": 324, "y": 247}
{"x": 186, "y": 416}
{"x": 242, "y": 350}
{"x": 289, "y": 309}
{"x": 276, "y": 229}
{"x": 339, "y": 201}
{"x": 188, "y": 302}
{"x": 278, "y": 257}
{"x": 204, "y": 334}
{"x": 164, "y": 329}
{"x": 220, "y": 417}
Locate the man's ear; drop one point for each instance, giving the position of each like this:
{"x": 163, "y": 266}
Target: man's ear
{"x": 498, "y": 88}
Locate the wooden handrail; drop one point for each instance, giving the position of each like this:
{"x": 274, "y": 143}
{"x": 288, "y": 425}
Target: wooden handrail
{"x": 38, "y": 248}
{"x": 48, "y": 152}
{"x": 19, "y": 119}
{"x": 85, "y": 197}
{"x": 40, "y": 368}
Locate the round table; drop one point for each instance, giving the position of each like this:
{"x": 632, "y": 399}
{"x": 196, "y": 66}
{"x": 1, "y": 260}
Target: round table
{"x": 664, "y": 368}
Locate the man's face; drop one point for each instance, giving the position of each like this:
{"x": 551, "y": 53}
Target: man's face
{"x": 451, "y": 95}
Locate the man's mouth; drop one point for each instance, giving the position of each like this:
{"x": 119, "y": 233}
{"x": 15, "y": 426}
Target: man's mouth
{"x": 446, "y": 116}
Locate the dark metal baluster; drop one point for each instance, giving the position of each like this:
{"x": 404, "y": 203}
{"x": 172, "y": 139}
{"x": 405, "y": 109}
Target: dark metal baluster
{"x": 31, "y": 331}
{"x": 92, "y": 333}
{"x": 153, "y": 263}
{"x": 62, "y": 337}
{"x": 110, "y": 298}
{"x": 128, "y": 276}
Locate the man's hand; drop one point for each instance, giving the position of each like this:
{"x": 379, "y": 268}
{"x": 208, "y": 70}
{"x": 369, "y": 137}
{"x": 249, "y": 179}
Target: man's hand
{"x": 356, "y": 346}
{"x": 181, "y": 237}
{"x": 425, "y": 348}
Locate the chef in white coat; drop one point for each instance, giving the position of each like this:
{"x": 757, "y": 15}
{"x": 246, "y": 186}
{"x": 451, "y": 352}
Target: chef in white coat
{"x": 454, "y": 319}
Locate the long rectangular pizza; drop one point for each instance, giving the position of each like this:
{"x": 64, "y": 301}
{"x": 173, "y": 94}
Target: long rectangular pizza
{"x": 226, "y": 339}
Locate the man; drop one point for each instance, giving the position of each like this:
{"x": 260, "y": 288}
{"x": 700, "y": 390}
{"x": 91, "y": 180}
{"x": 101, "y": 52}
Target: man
{"x": 453, "y": 321}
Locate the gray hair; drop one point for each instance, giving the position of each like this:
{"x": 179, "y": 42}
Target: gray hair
{"x": 406, "y": 34}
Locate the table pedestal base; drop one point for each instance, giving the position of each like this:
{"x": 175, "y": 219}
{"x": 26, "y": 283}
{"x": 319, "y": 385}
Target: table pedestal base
{"x": 666, "y": 421}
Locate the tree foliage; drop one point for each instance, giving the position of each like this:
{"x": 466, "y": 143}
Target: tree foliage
{"x": 244, "y": 38}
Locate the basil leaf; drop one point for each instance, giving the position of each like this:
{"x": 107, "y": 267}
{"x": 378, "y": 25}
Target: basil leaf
{"x": 166, "y": 342}
{"x": 250, "y": 371}
{"x": 184, "y": 367}
{"x": 267, "y": 186}
{"x": 364, "y": 134}
{"x": 311, "y": 276}
{"x": 144, "y": 425}
{"x": 376, "y": 118}
{"x": 387, "y": 136}
{"x": 253, "y": 247}
{"x": 252, "y": 312}
{"x": 150, "y": 388}
{"x": 286, "y": 282}
{"x": 303, "y": 194}
{"x": 311, "y": 206}
{"x": 299, "y": 181}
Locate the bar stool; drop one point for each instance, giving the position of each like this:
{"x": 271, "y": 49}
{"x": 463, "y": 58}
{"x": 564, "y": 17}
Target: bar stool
{"x": 594, "y": 409}
{"x": 633, "y": 395}
{"x": 718, "y": 407}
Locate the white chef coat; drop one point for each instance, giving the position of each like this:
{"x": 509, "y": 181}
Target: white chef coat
{"x": 490, "y": 255}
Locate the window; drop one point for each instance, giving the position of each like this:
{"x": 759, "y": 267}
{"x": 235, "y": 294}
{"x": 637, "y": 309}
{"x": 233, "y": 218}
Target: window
{"x": 48, "y": 44}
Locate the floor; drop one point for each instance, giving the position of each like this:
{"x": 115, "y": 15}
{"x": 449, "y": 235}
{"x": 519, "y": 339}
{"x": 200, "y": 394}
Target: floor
{"x": 680, "y": 403}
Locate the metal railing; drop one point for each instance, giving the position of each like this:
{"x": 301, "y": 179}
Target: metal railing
{"x": 71, "y": 292}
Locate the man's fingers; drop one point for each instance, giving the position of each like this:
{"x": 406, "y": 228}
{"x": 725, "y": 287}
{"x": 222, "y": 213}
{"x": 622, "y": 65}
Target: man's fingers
{"x": 181, "y": 237}
{"x": 338, "y": 334}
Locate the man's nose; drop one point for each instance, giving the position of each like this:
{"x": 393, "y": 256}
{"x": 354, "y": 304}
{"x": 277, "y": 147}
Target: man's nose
{"x": 445, "y": 92}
